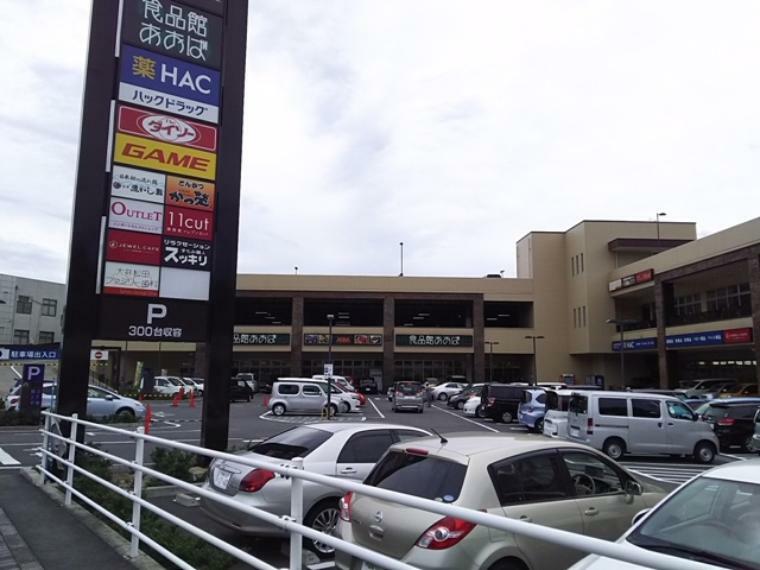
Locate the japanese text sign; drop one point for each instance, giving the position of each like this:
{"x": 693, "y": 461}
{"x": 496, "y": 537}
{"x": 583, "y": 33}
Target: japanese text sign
{"x": 147, "y": 153}
{"x": 186, "y": 253}
{"x": 189, "y": 193}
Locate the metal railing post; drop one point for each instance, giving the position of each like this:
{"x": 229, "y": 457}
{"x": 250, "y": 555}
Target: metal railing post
{"x": 134, "y": 546}
{"x": 296, "y": 514}
{"x": 45, "y": 444}
{"x": 73, "y": 429}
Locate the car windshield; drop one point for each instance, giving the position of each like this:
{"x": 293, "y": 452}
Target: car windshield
{"x": 709, "y": 520}
{"x": 419, "y": 475}
{"x": 408, "y": 388}
{"x": 297, "y": 442}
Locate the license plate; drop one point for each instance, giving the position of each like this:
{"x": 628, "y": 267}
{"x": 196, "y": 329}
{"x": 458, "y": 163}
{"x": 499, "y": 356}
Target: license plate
{"x": 574, "y": 431}
{"x": 221, "y": 478}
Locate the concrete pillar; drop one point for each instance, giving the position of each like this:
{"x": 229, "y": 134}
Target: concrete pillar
{"x": 296, "y": 340}
{"x": 478, "y": 341}
{"x": 389, "y": 326}
{"x": 754, "y": 288}
{"x": 663, "y": 303}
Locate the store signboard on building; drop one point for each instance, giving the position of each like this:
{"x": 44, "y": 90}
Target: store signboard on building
{"x": 159, "y": 320}
{"x": 710, "y": 338}
{"x": 737, "y": 336}
{"x": 434, "y": 340}
{"x": 360, "y": 339}
{"x": 636, "y": 344}
{"x": 138, "y": 184}
{"x": 630, "y": 280}
{"x": 694, "y": 339}
{"x": 261, "y": 339}
{"x": 167, "y": 128}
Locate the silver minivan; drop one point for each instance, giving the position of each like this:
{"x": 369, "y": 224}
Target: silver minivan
{"x": 295, "y": 395}
{"x": 624, "y": 422}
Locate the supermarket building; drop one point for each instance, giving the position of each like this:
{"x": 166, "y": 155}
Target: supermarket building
{"x": 690, "y": 308}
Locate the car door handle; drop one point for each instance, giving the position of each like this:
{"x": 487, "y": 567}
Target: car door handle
{"x": 659, "y": 424}
{"x": 525, "y": 518}
{"x": 670, "y": 423}
{"x": 591, "y": 512}
{"x": 348, "y": 471}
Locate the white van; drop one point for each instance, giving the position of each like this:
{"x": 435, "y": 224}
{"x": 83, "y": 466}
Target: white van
{"x": 625, "y": 422}
{"x": 555, "y": 419}
{"x": 299, "y": 395}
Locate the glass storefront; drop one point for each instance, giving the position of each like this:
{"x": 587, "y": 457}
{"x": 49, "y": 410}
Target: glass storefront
{"x": 356, "y": 368}
{"x": 421, "y": 369}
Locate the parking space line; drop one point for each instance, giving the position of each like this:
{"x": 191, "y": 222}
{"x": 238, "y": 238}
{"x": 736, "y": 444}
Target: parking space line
{"x": 379, "y": 413}
{"x": 489, "y": 428}
{"x": 7, "y": 460}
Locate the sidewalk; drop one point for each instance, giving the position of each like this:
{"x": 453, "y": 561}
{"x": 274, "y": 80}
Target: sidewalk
{"x": 36, "y": 532}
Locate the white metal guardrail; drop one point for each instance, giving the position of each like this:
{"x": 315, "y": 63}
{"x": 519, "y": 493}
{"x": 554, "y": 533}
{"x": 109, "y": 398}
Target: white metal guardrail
{"x": 292, "y": 524}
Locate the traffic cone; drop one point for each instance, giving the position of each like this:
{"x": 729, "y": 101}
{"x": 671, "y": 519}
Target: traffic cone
{"x": 141, "y": 397}
{"x": 148, "y": 418}
{"x": 266, "y": 401}
{"x": 181, "y": 393}
{"x": 192, "y": 398}
{"x": 175, "y": 400}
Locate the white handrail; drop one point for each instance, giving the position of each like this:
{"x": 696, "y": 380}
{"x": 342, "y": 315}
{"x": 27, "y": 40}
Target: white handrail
{"x": 293, "y": 524}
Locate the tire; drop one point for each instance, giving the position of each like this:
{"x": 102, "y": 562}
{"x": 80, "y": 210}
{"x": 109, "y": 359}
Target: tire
{"x": 125, "y": 415}
{"x": 394, "y": 409}
{"x": 614, "y": 448}
{"x": 479, "y": 412}
{"x": 420, "y": 410}
{"x": 443, "y": 396}
{"x": 539, "y": 426}
{"x": 322, "y": 516}
{"x": 506, "y": 417}
{"x": 704, "y": 452}
{"x": 508, "y": 564}
{"x": 333, "y": 410}
{"x": 747, "y": 445}
{"x": 346, "y": 407}
{"x": 279, "y": 409}
{"x": 460, "y": 405}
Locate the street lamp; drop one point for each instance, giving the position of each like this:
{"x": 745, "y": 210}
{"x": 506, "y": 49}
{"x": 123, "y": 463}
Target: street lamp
{"x": 490, "y": 344}
{"x": 534, "y": 338}
{"x": 657, "y": 217}
{"x": 295, "y": 267}
{"x": 401, "y": 247}
{"x": 621, "y": 324}
{"x": 330, "y": 319}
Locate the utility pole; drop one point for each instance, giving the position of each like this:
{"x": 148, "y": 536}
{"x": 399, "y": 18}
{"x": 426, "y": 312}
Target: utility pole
{"x": 534, "y": 338}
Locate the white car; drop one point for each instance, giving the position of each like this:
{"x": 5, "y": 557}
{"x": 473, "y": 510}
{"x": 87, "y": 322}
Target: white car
{"x": 472, "y": 407}
{"x": 714, "y": 519}
{"x": 342, "y": 450}
{"x": 191, "y": 385}
{"x": 101, "y": 402}
{"x": 346, "y": 401}
{"x": 444, "y": 391}
{"x": 166, "y": 385}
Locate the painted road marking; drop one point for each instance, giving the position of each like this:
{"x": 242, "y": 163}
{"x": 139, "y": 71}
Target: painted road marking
{"x": 379, "y": 413}
{"x": 6, "y": 459}
{"x": 489, "y": 428}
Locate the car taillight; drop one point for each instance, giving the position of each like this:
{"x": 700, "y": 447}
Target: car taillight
{"x": 590, "y": 426}
{"x": 491, "y": 401}
{"x": 416, "y": 451}
{"x": 255, "y": 480}
{"x": 445, "y": 533}
{"x": 345, "y": 506}
{"x": 726, "y": 421}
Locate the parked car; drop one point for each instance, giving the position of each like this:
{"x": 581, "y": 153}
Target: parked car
{"x": 444, "y": 391}
{"x": 340, "y": 381}
{"x": 532, "y": 409}
{"x": 680, "y": 394}
{"x": 336, "y": 449}
{"x": 240, "y": 390}
{"x": 714, "y": 519}
{"x": 501, "y": 401}
{"x": 625, "y": 422}
{"x": 249, "y": 378}
{"x": 548, "y": 482}
{"x": 739, "y": 390}
{"x": 200, "y": 384}
{"x": 409, "y": 395}
{"x": 368, "y": 386}
{"x": 473, "y": 407}
{"x": 458, "y": 400}
{"x": 713, "y": 386}
{"x": 101, "y": 402}
{"x": 555, "y": 416}
{"x": 190, "y": 385}
{"x": 756, "y": 437}
{"x": 347, "y": 400}
{"x": 166, "y": 385}
{"x": 733, "y": 421}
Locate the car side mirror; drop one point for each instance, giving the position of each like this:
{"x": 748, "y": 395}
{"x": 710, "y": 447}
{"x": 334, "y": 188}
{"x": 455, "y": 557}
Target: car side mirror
{"x": 638, "y": 516}
{"x": 633, "y": 488}
{"x": 109, "y": 397}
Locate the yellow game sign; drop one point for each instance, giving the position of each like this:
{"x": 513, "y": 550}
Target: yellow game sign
{"x": 165, "y": 157}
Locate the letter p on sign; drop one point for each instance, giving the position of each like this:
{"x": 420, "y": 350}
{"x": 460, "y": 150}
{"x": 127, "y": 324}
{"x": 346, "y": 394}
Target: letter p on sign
{"x": 156, "y": 311}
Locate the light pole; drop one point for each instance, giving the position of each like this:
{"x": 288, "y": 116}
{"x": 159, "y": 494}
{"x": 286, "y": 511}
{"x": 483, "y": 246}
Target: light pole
{"x": 295, "y": 267}
{"x": 534, "y": 338}
{"x": 490, "y": 344}
{"x": 657, "y": 217}
{"x": 330, "y": 319}
{"x": 401, "y": 247}
{"x": 621, "y": 324}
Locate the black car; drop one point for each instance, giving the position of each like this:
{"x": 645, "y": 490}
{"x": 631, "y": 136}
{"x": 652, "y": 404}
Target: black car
{"x": 500, "y": 401}
{"x": 733, "y": 421}
{"x": 368, "y": 386}
{"x": 240, "y": 390}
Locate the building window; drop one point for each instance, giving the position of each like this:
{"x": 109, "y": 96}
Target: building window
{"x": 49, "y": 308}
{"x": 584, "y": 315}
{"x": 729, "y": 298}
{"x": 688, "y": 304}
{"x": 575, "y": 318}
{"x": 572, "y": 266}
{"x": 47, "y": 337}
{"x": 582, "y": 266}
{"x": 20, "y": 336}
{"x": 24, "y": 305}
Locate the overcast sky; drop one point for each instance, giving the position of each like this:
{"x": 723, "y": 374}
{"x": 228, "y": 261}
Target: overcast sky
{"x": 453, "y": 126}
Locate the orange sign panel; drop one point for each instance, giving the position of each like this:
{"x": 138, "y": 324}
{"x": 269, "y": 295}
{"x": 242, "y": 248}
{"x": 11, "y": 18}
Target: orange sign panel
{"x": 188, "y": 193}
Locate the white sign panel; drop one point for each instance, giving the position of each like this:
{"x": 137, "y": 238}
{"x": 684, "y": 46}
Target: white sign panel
{"x": 184, "y": 284}
{"x": 99, "y": 355}
{"x": 171, "y": 103}
{"x": 329, "y": 369}
{"x": 135, "y": 216}
{"x": 129, "y": 279}
{"x": 138, "y": 184}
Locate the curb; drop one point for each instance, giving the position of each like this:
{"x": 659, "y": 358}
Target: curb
{"x": 108, "y": 535}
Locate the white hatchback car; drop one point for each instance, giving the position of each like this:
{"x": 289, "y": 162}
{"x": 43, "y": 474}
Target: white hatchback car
{"x": 714, "y": 519}
{"x": 338, "y": 449}
{"x": 444, "y": 391}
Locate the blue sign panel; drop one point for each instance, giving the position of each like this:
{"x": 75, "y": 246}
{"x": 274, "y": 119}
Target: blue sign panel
{"x": 168, "y": 75}
{"x": 18, "y": 352}
{"x": 694, "y": 339}
{"x": 34, "y": 375}
{"x": 636, "y": 344}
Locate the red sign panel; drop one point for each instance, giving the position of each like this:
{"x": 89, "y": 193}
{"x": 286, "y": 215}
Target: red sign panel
{"x": 644, "y": 276}
{"x": 188, "y": 223}
{"x": 133, "y": 247}
{"x": 737, "y": 336}
{"x": 167, "y": 128}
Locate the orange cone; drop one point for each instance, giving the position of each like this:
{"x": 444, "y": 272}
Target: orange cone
{"x": 176, "y": 399}
{"x": 148, "y": 418}
{"x": 192, "y": 398}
